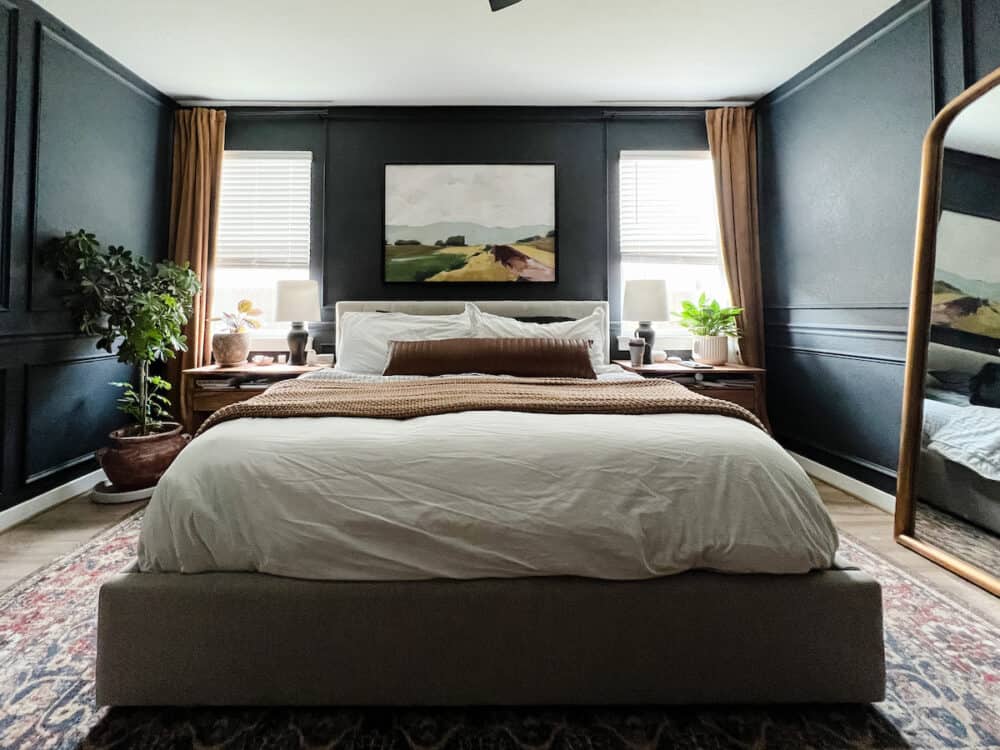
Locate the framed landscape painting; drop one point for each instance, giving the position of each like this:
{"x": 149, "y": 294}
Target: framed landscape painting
{"x": 965, "y": 308}
{"x": 470, "y": 223}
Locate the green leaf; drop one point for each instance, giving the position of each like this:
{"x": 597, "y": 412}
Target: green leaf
{"x": 128, "y": 305}
{"x": 709, "y": 318}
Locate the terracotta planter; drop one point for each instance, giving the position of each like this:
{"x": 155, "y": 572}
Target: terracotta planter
{"x": 710, "y": 350}
{"x": 133, "y": 463}
{"x": 230, "y": 349}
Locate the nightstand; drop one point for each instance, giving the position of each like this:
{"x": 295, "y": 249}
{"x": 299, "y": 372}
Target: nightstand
{"x": 731, "y": 382}
{"x": 207, "y": 389}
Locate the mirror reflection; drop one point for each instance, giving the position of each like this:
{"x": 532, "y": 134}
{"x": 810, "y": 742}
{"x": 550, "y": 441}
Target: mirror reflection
{"x": 958, "y": 478}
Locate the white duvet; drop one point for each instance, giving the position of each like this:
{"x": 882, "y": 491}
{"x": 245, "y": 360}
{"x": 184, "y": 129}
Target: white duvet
{"x": 968, "y": 435}
{"x": 486, "y": 494}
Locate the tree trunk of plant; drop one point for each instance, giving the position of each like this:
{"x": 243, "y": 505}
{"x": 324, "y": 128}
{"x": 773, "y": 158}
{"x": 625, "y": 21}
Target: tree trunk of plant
{"x": 143, "y": 397}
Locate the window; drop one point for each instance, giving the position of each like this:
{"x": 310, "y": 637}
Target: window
{"x": 668, "y": 225}
{"x": 264, "y": 228}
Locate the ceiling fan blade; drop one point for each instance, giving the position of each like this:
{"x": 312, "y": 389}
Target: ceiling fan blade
{"x": 496, "y": 5}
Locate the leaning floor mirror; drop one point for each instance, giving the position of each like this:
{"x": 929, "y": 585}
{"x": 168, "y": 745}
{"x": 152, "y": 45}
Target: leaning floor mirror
{"x": 948, "y": 496}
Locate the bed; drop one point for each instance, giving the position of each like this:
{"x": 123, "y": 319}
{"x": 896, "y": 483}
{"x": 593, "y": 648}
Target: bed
{"x": 954, "y": 433}
{"x": 440, "y": 561}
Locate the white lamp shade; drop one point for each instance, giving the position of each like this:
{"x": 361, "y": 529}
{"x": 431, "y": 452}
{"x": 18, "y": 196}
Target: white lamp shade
{"x": 645, "y": 299}
{"x": 298, "y": 301}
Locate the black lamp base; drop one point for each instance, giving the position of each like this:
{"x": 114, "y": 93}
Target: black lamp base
{"x": 645, "y": 331}
{"x": 298, "y": 337}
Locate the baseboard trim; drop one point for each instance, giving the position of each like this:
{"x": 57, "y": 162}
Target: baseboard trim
{"x": 41, "y": 503}
{"x": 850, "y": 485}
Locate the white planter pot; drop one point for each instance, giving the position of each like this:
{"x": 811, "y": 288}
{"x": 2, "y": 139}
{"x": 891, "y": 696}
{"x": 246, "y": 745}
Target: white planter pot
{"x": 710, "y": 350}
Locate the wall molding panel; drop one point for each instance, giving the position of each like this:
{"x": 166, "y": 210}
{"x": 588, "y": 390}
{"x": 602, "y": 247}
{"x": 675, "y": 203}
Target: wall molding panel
{"x": 885, "y": 333}
{"x": 840, "y": 306}
{"x": 47, "y": 412}
{"x": 9, "y": 20}
{"x": 840, "y": 354}
{"x": 64, "y": 90}
{"x": 4, "y": 413}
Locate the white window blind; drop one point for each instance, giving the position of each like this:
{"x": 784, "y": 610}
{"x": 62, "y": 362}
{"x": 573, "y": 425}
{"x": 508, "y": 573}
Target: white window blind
{"x": 667, "y": 207}
{"x": 264, "y": 210}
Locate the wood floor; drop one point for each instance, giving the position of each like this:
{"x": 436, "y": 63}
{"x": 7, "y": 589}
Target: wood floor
{"x": 62, "y": 529}
{"x": 49, "y": 535}
{"x": 874, "y": 527}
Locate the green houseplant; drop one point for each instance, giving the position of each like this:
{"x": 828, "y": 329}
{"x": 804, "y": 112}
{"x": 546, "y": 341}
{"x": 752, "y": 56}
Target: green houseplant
{"x": 139, "y": 310}
{"x": 711, "y": 325}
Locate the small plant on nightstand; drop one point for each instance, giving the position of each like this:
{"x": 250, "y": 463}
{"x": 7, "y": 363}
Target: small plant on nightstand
{"x": 232, "y": 346}
{"x": 137, "y": 310}
{"x": 711, "y": 326}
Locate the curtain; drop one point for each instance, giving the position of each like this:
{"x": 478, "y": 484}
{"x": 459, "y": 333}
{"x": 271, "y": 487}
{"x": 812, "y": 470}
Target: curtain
{"x": 199, "y": 140}
{"x": 732, "y": 137}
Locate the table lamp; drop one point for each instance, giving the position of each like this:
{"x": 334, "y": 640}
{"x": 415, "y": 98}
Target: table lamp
{"x": 298, "y": 301}
{"x": 646, "y": 301}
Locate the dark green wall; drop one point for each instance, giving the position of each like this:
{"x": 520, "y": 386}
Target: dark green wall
{"x": 83, "y": 143}
{"x": 839, "y": 172}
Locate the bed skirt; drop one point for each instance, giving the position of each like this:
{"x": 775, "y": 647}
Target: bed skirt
{"x": 258, "y": 640}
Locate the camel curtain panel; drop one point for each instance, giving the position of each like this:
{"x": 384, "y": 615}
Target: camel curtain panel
{"x": 732, "y": 138}
{"x": 199, "y": 142}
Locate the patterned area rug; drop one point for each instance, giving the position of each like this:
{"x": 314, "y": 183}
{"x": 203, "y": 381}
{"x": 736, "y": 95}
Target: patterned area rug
{"x": 943, "y": 665}
{"x": 979, "y": 546}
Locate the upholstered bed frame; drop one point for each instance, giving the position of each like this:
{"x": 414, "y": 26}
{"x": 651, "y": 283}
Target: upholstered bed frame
{"x": 698, "y": 637}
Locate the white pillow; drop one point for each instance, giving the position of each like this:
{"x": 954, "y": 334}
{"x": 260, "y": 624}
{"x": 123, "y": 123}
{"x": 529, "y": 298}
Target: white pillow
{"x": 594, "y": 328}
{"x": 365, "y": 336}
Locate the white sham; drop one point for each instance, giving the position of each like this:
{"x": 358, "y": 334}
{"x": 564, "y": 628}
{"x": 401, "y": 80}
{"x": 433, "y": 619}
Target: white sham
{"x": 594, "y": 328}
{"x": 365, "y": 336}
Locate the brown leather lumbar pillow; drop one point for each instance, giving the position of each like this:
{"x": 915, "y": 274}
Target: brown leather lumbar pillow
{"x": 526, "y": 358}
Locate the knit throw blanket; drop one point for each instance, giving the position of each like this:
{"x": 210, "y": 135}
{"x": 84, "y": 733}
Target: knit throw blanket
{"x": 421, "y": 398}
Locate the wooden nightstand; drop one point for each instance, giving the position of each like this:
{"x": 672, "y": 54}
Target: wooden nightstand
{"x": 198, "y": 401}
{"x": 737, "y": 383}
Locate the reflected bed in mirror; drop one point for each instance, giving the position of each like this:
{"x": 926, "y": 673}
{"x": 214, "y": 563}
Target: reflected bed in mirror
{"x": 948, "y": 504}
{"x": 958, "y": 474}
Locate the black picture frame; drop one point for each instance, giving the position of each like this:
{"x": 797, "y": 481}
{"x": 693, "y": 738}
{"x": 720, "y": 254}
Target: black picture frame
{"x": 449, "y": 284}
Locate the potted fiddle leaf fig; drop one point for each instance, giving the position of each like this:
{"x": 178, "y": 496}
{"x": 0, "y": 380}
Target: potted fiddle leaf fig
{"x": 139, "y": 310}
{"x": 711, "y": 327}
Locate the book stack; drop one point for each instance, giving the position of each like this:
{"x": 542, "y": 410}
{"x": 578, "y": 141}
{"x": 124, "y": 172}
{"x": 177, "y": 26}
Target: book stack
{"x": 254, "y": 385}
{"x": 215, "y": 384}
{"x": 685, "y": 379}
{"x": 733, "y": 383}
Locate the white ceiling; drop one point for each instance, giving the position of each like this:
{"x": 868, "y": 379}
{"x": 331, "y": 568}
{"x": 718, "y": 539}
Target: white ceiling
{"x": 555, "y": 52}
{"x": 977, "y": 128}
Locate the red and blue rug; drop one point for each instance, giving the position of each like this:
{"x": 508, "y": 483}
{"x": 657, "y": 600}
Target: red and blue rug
{"x": 943, "y": 665}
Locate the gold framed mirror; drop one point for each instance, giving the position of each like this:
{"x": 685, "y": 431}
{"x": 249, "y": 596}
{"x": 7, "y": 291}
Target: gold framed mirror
{"x": 948, "y": 491}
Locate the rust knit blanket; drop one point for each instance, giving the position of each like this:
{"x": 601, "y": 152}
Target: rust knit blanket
{"x": 421, "y": 398}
